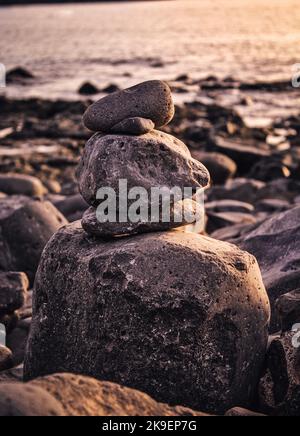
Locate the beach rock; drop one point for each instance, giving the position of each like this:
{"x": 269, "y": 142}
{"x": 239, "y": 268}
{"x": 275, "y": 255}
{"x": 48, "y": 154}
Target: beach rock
{"x": 269, "y": 169}
{"x": 276, "y": 246}
{"x": 272, "y": 205}
{"x": 288, "y": 309}
{"x": 133, "y": 126}
{"x": 239, "y": 411}
{"x": 244, "y": 153}
{"x": 220, "y": 167}
{"x": 229, "y": 206}
{"x": 17, "y": 341}
{"x": 181, "y": 214}
{"x": 5, "y": 358}
{"x": 18, "y": 399}
{"x": 280, "y": 386}
{"x": 12, "y": 375}
{"x": 152, "y": 160}
{"x": 151, "y": 100}
{"x": 111, "y": 88}
{"x": 18, "y": 75}
{"x": 9, "y": 321}
{"x": 21, "y": 184}
{"x": 75, "y": 395}
{"x": 218, "y": 220}
{"x": 25, "y": 227}
{"x": 88, "y": 88}
{"x": 151, "y": 312}
{"x": 13, "y": 290}
{"x": 237, "y": 189}
{"x": 72, "y": 207}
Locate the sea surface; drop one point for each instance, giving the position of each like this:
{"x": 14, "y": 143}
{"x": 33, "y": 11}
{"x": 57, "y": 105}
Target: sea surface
{"x": 126, "y": 42}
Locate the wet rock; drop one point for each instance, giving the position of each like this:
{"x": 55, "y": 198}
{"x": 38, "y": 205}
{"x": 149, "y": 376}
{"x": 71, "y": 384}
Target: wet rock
{"x": 152, "y": 160}
{"x": 151, "y": 100}
{"x": 25, "y": 227}
{"x": 13, "y": 290}
{"x": 280, "y": 387}
{"x": 288, "y": 309}
{"x": 276, "y": 245}
{"x": 181, "y": 214}
{"x": 5, "y": 358}
{"x": 142, "y": 321}
{"x": 133, "y": 126}
{"x": 88, "y": 88}
{"x": 21, "y": 184}
{"x": 239, "y": 411}
{"x": 18, "y": 399}
{"x": 220, "y": 167}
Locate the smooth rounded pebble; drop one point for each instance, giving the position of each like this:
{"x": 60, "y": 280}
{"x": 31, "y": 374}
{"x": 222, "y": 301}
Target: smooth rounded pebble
{"x": 151, "y": 100}
{"x": 134, "y": 126}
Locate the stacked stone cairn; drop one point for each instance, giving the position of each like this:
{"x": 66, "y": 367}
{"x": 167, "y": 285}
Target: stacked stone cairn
{"x": 175, "y": 314}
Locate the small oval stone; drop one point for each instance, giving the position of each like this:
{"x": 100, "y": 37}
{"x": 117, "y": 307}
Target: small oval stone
{"x": 134, "y": 126}
{"x": 152, "y": 100}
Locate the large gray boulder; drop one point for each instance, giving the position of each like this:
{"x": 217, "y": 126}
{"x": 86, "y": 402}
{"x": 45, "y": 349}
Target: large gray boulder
{"x": 152, "y": 160}
{"x": 179, "y": 316}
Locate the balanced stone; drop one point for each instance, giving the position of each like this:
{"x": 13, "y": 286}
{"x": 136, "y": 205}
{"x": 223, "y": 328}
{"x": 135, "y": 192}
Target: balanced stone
{"x": 151, "y": 100}
{"x": 184, "y": 319}
{"x": 152, "y": 160}
{"x": 134, "y": 126}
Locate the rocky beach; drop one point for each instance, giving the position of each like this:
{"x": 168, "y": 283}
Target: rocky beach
{"x": 150, "y": 318}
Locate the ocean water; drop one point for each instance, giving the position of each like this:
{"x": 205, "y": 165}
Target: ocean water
{"x": 125, "y": 42}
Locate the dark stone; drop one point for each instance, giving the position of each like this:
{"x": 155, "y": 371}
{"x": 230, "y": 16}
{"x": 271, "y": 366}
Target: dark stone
{"x": 88, "y": 88}
{"x": 26, "y": 225}
{"x": 152, "y": 100}
{"x": 218, "y": 220}
{"x": 21, "y": 184}
{"x": 280, "y": 386}
{"x": 5, "y": 358}
{"x": 152, "y": 160}
{"x": 13, "y": 290}
{"x": 133, "y": 126}
{"x": 72, "y": 207}
{"x": 75, "y": 395}
{"x": 237, "y": 189}
{"x": 276, "y": 245}
{"x": 272, "y": 205}
{"x": 269, "y": 169}
{"x": 12, "y": 375}
{"x": 181, "y": 317}
{"x": 18, "y": 75}
{"x": 110, "y": 89}
{"x": 288, "y": 309}
{"x": 229, "y": 206}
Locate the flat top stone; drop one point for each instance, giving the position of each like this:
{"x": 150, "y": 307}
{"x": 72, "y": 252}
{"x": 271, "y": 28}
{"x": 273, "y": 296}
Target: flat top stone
{"x": 151, "y": 100}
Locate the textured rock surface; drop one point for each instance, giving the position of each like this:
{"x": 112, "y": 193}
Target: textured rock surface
{"x": 134, "y": 126}
{"x": 280, "y": 386}
{"x": 130, "y": 313}
{"x": 5, "y": 358}
{"x": 239, "y": 411}
{"x": 21, "y": 184}
{"x": 25, "y": 227}
{"x": 13, "y": 289}
{"x": 74, "y": 395}
{"x": 276, "y": 245}
{"x": 152, "y": 160}
{"x": 182, "y": 213}
{"x": 288, "y": 309}
{"x": 151, "y": 100}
